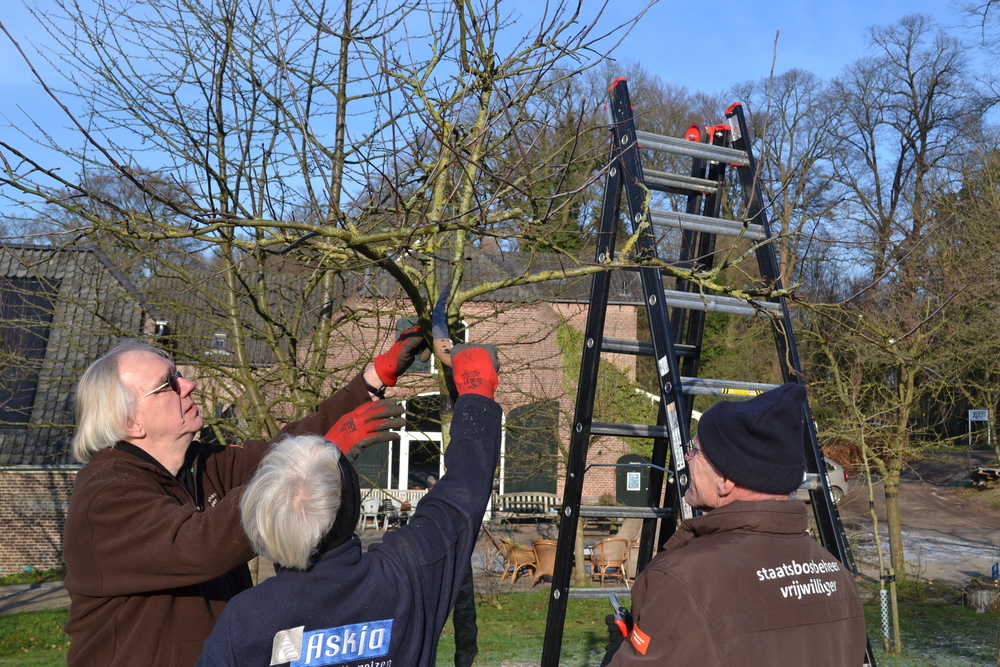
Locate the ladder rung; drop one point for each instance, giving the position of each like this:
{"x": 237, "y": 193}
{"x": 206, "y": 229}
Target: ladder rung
{"x": 642, "y": 348}
{"x": 717, "y": 304}
{"x": 602, "y": 593}
{"x": 703, "y": 223}
{"x": 629, "y": 430}
{"x": 710, "y": 387}
{"x": 664, "y": 144}
{"x": 618, "y": 512}
{"x": 678, "y": 184}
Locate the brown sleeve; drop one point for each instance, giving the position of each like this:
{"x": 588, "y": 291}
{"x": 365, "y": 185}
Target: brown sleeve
{"x": 235, "y": 465}
{"x": 329, "y": 411}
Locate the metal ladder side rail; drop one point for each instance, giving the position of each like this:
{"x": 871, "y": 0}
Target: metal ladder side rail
{"x": 624, "y": 173}
{"x": 828, "y": 522}
{"x": 831, "y": 529}
{"x": 583, "y": 416}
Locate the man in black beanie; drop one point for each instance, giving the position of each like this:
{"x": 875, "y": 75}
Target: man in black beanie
{"x": 744, "y": 584}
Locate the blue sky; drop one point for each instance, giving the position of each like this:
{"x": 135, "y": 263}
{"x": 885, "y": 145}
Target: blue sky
{"x": 692, "y": 44}
{"x": 710, "y": 49}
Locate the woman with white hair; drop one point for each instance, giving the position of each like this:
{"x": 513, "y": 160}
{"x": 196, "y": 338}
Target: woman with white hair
{"x": 331, "y": 604}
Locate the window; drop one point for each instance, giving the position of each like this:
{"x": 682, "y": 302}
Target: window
{"x": 422, "y": 440}
{"x": 219, "y": 344}
{"x": 26, "y": 309}
{"x": 532, "y": 448}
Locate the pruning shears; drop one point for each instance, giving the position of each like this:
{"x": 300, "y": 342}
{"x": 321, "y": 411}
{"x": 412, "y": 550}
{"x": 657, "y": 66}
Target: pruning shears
{"x": 439, "y": 328}
{"x": 623, "y": 617}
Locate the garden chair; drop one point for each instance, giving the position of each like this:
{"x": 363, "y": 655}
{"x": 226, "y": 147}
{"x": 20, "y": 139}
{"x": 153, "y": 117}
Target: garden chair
{"x": 495, "y": 553}
{"x": 518, "y": 558}
{"x": 369, "y": 510}
{"x": 631, "y": 531}
{"x": 607, "y": 559}
{"x": 545, "y": 559}
{"x": 390, "y": 513}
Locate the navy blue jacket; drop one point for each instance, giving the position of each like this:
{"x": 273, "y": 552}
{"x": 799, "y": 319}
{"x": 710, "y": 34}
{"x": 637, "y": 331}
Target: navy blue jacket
{"x": 388, "y": 605}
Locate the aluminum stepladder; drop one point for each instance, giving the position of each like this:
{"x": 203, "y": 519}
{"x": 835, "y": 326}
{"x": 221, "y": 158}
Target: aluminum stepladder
{"x": 676, "y": 335}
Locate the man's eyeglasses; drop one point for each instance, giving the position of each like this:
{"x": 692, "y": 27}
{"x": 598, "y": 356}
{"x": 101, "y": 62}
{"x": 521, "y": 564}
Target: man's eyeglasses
{"x": 172, "y": 382}
{"x": 692, "y": 450}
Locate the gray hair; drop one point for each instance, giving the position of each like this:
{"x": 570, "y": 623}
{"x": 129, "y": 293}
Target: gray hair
{"x": 104, "y": 405}
{"x": 293, "y": 499}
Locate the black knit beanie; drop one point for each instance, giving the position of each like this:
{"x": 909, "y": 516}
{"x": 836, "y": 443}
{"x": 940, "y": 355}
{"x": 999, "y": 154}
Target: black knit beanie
{"x": 759, "y": 443}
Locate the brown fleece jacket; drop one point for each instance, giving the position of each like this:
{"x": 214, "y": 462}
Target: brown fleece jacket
{"x": 149, "y": 568}
{"x": 745, "y": 585}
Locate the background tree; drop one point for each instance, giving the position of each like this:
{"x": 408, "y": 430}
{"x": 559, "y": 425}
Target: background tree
{"x": 907, "y": 116}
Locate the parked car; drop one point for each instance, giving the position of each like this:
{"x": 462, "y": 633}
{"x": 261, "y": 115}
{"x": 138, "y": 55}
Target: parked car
{"x": 837, "y": 477}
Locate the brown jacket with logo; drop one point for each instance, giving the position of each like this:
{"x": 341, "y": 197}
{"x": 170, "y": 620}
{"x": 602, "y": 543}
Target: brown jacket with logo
{"x": 745, "y": 585}
{"x": 149, "y": 568}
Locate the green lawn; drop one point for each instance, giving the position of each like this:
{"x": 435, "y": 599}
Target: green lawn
{"x": 935, "y": 633}
{"x": 512, "y": 627}
{"x": 33, "y": 639}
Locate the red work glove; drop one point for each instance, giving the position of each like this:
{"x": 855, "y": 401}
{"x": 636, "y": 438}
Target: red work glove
{"x": 394, "y": 362}
{"x": 475, "y": 369}
{"x": 364, "y": 426}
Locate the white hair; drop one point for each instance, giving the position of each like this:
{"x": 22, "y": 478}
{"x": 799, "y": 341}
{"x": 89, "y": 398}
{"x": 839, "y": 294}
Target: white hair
{"x": 104, "y": 405}
{"x": 293, "y": 499}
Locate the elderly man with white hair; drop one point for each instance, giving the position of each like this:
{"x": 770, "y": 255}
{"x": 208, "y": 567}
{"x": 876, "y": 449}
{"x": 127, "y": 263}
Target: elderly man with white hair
{"x": 332, "y": 604}
{"x": 153, "y": 544}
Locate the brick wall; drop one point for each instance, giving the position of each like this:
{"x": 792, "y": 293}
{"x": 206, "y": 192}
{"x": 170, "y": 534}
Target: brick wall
{"x": 33, "y": 513}
{"x": 530, "y": 364}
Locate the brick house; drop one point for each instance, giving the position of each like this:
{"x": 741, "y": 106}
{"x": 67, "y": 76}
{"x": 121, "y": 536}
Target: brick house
{"x": 60, "y": 309}
{"x": 37, "y": 472}
{"x": 523, "y": 322}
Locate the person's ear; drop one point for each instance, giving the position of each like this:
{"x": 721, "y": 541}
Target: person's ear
{"x": 724, "y": 486}
{"x": 135, "y": 430}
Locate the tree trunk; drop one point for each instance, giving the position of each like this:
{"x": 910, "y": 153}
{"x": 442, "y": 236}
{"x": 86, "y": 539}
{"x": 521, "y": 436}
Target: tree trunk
{"x": 993, "y": 434}
{"x": 892, "y": 516}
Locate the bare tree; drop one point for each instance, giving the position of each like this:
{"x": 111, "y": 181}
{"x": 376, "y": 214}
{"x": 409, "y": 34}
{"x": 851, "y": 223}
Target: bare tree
{"x": 792, "y": 117}
{"x": 907, "y": 115}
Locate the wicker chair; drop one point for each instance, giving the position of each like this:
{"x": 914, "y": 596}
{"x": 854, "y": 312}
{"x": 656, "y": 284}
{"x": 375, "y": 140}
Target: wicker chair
{"x": 631, "y": 531}
{"x": 518, "y": 558}
{"x": 495, "y": 556}
{"x": 545, "y": 559}
{"x": 607, "y": 559}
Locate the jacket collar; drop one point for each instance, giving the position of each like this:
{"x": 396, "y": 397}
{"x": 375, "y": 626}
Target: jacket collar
{"x": 777, "y": 517}
{"x": 139, "y": 452}
{"x": 185, "y": 477}
{"x": 346, "y": 554}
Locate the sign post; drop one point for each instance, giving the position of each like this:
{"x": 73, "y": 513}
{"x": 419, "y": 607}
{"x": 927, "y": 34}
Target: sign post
{"x": 980, "y": 416}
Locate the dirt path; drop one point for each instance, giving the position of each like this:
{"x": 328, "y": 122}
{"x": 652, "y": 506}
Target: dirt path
{"x": 946, "y": 536}
{"x": 15, "y": 599}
